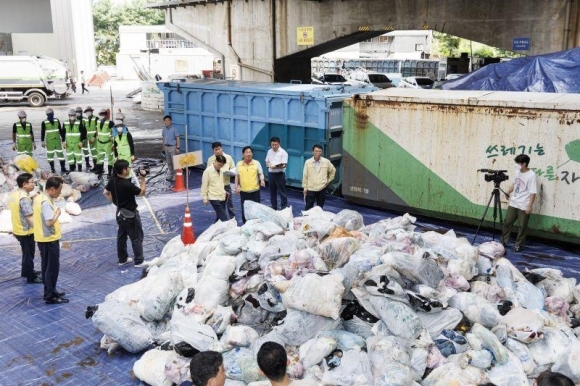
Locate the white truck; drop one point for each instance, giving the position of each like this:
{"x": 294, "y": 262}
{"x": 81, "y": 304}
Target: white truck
{"x": 32, "y": 78}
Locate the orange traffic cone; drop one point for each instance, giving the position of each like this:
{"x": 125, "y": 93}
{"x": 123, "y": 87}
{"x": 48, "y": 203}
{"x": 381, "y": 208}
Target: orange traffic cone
{"x": 179, "y": 185}
{"x": 187, "y": 236}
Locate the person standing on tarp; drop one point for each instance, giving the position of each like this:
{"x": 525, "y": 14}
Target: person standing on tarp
{"x": 249, "y": 178}
{"x": 23, "y": 225}
{"x": 75, "y": 134}
{"x": 122, "y": 192}
{"x": 52, "y": 137}
{"x": 104, "y": 144}
{"x": 212, "y": 187}
{"x": 83, "y": 82}
{"x": 170, "y": 146}
{"x": 229, "y": 166}
{"x": 276, "y": 161}
{"x": 47, "y": 235}
{"x": 123, "y": 146}
{"x": 22, "y": 135}
{"x": 317, "y": 174}
{"x": 90, "y": 147}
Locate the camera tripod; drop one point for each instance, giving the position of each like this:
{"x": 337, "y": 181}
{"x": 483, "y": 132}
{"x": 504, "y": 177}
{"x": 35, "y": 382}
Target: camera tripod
{"x": 496, "y": 209}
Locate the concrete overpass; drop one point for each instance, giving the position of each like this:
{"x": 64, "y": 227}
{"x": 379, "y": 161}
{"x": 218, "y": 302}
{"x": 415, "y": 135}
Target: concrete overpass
{"x": 261, "y": 39}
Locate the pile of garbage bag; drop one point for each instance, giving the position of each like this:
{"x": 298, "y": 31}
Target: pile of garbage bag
{"x": 353, "y": 304}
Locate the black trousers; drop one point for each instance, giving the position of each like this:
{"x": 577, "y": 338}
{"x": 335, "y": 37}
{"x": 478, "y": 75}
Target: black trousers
{"x": 230, "y": 202}
{"x": 317, "y": 197}
{"x": 50, "y": 266}
{"x": 27, "y": 244}
{"x": 220, "y": 210}
{"x": 277, "y": 184}
{"x": 132, "y": 228}
{"x": 251, "y": 196}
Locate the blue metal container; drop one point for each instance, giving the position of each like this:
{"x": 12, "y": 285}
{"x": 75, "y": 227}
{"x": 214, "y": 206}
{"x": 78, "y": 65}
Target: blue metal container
{"x": 239, "y": 114}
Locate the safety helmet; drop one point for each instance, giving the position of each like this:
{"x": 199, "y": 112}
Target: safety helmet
{"x": 49, "y": 111}
{"x": 72, "y": 112}
{"x": 21, "y": 114}
{"x": 79, "y": 110}
{"x": 102, "y": 111}
{"x": 89, "y": 108}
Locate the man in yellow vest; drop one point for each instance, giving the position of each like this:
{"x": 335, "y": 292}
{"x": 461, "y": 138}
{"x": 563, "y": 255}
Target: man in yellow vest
{"x": 249, "y": 178}
{"x": 47, "y": 236}
{"x": 75, "y": 134}
{"x": 22, "y": 135}
{"x": 22, "y": 224}
{"x": 90, "y": 150}
{"x": 52, "y": 138}
{"x": 104, "y": 146}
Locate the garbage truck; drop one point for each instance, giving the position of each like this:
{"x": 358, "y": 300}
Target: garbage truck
{"x": 33, "y": 79}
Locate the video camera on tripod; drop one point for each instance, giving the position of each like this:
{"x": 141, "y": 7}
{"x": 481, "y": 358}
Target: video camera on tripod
{"x": 496, "y": 176}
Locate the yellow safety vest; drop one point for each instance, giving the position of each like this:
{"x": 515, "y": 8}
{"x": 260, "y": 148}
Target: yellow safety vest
{"x": 17, "y": 225}
{"x": 248, "y": 176}
{"x": 42, "y": 232}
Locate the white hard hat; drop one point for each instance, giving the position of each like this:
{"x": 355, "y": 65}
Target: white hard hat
{"x": 102, "y": 111}
{"x": 21, "y": 114}
{"x": 72, "y": 112}
{"x": 120, "y": 116}
{"x": 118, "y": 122}
{"x": 49, "y": 111}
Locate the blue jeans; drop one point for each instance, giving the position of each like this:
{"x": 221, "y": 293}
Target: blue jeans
{"x": 220, "y": 210}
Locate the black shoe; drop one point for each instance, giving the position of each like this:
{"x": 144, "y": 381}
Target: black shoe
{"x": 56, "y": 301}
{"x": 53, "y": 171}
{"x": 518, "y": 248}
{"x": 36, "y": 273}
{"x": 36, "y": 280}
{"x": 58, "y": 294}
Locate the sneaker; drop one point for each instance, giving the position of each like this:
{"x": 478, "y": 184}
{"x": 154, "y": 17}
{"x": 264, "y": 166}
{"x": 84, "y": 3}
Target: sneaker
{"x": 140, "y": 264}
{"x": 129, "y": 260}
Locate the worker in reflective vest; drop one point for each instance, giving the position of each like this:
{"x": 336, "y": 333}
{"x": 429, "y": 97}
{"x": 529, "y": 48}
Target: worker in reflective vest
{"x": 47, "y": 236}
{"x": 22, "y": 225}
{"x": 123, "y": 144}
{"x": 104, "y": 144}
{"x": 90, "y": 150}
{"x": 52, "y": 138}
{"x": 75, "y": 134}
{"x": 22, "y": 135}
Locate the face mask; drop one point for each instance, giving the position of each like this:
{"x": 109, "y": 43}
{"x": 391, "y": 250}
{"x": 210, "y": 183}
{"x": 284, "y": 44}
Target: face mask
{"x": 518, "y": 167}
{"x": 79, "y": 115}
{"x": 102, "y": 116}
{"x": 22, "y": 120}
{"x": 89, "y": 114}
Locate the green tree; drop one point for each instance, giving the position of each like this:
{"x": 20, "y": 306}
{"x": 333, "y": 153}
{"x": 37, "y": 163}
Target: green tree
{"x": 448, "y": 45}
{"x": 108, "y": 17}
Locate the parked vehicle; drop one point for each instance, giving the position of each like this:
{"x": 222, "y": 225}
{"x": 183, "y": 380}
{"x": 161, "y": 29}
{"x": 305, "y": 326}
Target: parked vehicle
{"x": 325, "y": 78}
{"x": 372, "y": 78}
{"x": 453, "y": 76}
{"x": 416, "y": 82}
{"x": 32, "y": 78}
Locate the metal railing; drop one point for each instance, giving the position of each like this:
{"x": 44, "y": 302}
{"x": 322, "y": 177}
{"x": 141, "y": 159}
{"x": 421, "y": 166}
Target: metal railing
{"x": 170, "y": 43}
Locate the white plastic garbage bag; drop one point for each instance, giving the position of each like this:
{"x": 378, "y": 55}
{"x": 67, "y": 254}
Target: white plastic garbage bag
{"x": 401, "y": 320}
{"x": 150, "y": 368}
{"x": 315, "y": 350}
{"x": 476, "y": 308}
{"x": 336, "y": 252}
{"x": 509, "y": 373}
{"x": 188, "y": 329}
{"x": 390, "y": 360}
{"x": 73, "y": 208}
{"x": 354, "y": 369}
{"x": 123, "y": 324}
{"x": 159, "y": 295}
{"x": 255, "y": 210}
{"x": 300, "y": 326}
{"x": 319, "y": 295}
{"x": 349, "y": 219}
{"x": 523, "y": 325}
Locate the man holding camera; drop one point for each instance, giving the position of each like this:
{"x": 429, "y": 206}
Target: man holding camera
{"x": 122, "y": 192}
{"x": 521, "y": 195}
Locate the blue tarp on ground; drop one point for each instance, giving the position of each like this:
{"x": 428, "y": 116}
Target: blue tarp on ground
{"x": 556, "y": 72}
{"x": 56, "y": 345}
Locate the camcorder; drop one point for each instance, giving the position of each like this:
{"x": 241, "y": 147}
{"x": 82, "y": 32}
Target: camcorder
{"x": 496, "y": 176}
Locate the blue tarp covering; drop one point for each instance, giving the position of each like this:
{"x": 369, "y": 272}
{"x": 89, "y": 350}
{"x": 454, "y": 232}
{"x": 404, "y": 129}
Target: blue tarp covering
{"x": 56, "y": 345}
{"x": 556, "y": 72}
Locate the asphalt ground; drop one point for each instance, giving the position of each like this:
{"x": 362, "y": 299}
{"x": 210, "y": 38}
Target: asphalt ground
{"x": 145, "y": 126}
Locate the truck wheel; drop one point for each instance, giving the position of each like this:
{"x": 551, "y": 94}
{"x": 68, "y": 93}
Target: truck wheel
{"x": 35, "y": 99}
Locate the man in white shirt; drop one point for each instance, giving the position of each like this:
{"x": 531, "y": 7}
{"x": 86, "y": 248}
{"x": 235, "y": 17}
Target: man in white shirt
{"x": 521, "y": 195}
{"x": 276, "y": 161}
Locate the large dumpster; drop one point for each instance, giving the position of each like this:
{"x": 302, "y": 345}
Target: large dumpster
{"x": 239, "y": 114}
{"x": 420, "y": 151}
